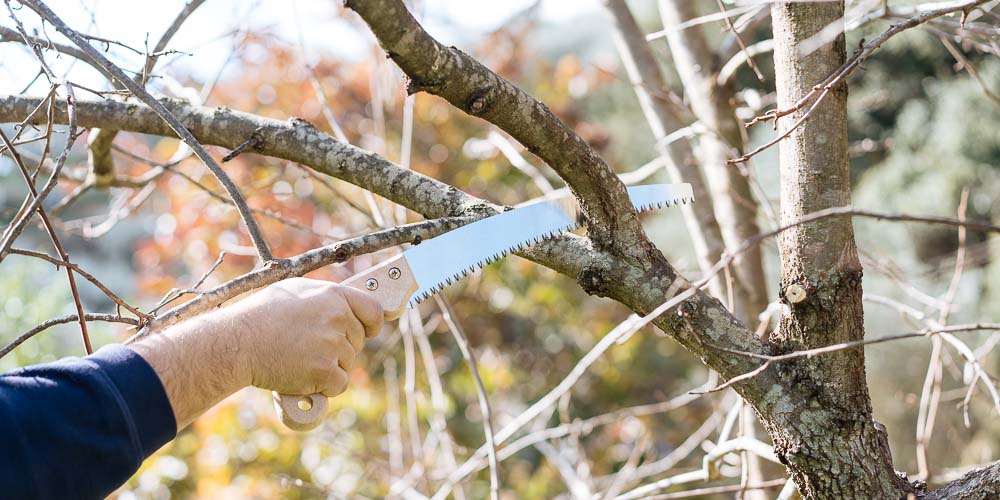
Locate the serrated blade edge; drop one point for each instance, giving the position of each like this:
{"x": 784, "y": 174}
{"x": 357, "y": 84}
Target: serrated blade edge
{"x": 450, "y": 257}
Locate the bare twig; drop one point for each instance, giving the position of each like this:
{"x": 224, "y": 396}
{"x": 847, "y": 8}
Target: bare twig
{"x": 822, "y": 89}
{"x": 739, "y": 41}
{"x": 87, "y": 276}
{"x": 56, "y": 244}
{"x": 302, "y": 264}
{"x": 808, "y": 353}
{"x": 177, "y": 293}
{"x": 16, "y": 227}
{"x": 9, "y": 35}
{"x": 484, "y": 402}
{"x": 715, "y": 490}
{"x": 251, "y": 224}
{"x": 71, "y": 318}
{"x": 963, "y": 63}
{"x": 161, "y": 44}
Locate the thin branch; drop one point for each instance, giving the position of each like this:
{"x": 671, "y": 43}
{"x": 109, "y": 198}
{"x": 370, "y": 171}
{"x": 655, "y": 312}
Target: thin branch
{"x": 715, "y": 490}
{"x": 87, "y": 276}
{"x": 56, "y": 244}
{"x": 165, "y": 38}
{"x": 35, "y": 47}
{"x": 962, "y": 62}
{"x": 822, "y": 89}
{"x": 701, "y": 20}
{"x": 176, "y": 293}
{"x": 484, "y": 402}
{"x": 71, "y": 318}
{"x": 175, "y": 124}
{"x": 739, "y": 41}
{"x": 809, "y": 353}
{"x": 302, "y": 264}
{"x": 744, "y": 56}
{"x": 9, "y": 35}
{"x": 16, "y": 227}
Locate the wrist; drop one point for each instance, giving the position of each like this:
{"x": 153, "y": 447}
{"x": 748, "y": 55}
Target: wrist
{"x": 198, "y": 361}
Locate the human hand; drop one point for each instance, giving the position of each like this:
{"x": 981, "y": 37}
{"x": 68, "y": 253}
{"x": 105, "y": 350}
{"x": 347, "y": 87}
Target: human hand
{"x": 298, "y": 336}
{"x": 301, "y": 336}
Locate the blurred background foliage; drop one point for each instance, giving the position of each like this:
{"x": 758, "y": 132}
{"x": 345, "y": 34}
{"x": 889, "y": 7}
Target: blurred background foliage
{"x": 923, "y": 133}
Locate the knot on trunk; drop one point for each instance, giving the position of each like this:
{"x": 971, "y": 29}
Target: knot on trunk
{"x": 594, "y": 281}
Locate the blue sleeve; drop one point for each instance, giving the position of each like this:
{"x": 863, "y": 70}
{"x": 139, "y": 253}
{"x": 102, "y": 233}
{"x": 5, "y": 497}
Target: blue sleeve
{"x": 80, "y": 427}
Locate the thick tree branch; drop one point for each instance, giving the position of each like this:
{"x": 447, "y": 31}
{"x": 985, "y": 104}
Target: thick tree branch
{"x": 645, "y": 280}
{"x": 980, "y": 484}
{"x": 821, "y": 278}
{"x": 298, "y": 141}
{"x": 294, "y": 140}
{"x": 475, "y": 89}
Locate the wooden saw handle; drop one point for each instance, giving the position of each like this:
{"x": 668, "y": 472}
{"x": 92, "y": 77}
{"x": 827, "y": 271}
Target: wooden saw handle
{"x": 391, "y": 283}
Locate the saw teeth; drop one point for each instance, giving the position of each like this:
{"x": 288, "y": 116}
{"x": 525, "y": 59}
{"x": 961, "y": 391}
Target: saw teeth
{"x": 579, "y": 221}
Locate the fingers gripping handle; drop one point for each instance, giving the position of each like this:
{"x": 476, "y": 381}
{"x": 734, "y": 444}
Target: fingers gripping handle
{"x": 391, "y": 284}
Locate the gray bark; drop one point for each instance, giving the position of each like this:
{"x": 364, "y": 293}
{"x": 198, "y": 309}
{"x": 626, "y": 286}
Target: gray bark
{"x": 979, "y": 484}
{"x": 832, "y": 445}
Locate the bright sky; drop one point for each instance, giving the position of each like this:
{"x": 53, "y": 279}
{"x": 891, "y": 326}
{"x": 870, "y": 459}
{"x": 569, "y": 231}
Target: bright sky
{"x": 208, "y": 34}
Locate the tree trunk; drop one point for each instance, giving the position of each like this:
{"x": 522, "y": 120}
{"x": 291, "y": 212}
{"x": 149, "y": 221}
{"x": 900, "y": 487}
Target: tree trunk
{"x": 832, "y": 446}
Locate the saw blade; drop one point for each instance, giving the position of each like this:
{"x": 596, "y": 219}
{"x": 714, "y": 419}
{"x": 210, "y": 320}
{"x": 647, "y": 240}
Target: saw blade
{"x": 446, "y": 259}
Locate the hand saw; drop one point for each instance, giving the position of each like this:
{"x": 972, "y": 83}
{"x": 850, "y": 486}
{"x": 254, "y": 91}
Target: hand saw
{"x": 425, "y": 269}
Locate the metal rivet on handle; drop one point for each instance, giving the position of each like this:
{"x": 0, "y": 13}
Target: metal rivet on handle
{"x": 371, "y": 284}
{"x": 394, "y": 273}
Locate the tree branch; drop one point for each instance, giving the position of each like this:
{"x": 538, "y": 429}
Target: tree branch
{"x": 822, "y": 89}
{"x": 295, "y": 140}
{"x": 475, "y": 89}
{"x": 301, "y": 264}
{"x": 251, "y": 224}
{"x": 9, "y": 35}
{"x": 980, "y": 484}
{"x": 732, "y": 197}
{"x": 71, "y": 318}
{"x": 641, "y": 288}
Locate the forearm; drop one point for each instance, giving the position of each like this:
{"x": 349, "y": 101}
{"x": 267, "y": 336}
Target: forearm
{"x": 199, "y": 362}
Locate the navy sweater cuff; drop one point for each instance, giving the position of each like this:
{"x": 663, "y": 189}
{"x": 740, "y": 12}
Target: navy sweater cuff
{"x": 150, "y": 413}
